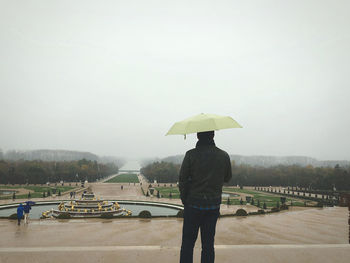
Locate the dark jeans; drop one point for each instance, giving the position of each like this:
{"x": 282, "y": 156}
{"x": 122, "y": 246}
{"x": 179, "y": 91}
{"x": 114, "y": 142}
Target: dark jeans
{"x": 193, "y": 220}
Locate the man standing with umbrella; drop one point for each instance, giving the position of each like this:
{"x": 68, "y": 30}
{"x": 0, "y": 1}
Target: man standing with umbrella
{"x": 203, "y": 173}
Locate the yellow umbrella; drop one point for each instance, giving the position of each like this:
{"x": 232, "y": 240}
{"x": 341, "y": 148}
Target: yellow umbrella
{"x": 203, "y": 122}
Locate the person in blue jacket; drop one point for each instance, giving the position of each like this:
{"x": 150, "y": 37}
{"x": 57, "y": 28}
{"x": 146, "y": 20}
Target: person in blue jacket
{"x": 20, "y": 210}
{"x": 26, "y": 209}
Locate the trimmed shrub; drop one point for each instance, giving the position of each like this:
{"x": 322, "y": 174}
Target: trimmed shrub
{"x": 319, "y": 204}
{"x": 261, "y": 211}
{"x": 145, "y": 214}
{"x": 275, "y": 209}
{"x": 107, "y": 215}
{"x": 64, "y": 216}
{"x": 180, "y": 214}
{"x": 284, "y": 207}
{"x": 241, "y": 212}
{"x": 151, "y": 191}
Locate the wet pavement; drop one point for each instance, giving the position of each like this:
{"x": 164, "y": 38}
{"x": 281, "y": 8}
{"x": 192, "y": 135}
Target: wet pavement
{"x": 319, "y": 234}
{"x": 242, "y": 254}
{"x": 297, "y": 235}
{"x": 312, "y": 226}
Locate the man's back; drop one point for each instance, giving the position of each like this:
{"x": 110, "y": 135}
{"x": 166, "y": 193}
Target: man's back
{"x": 203, "y": 172}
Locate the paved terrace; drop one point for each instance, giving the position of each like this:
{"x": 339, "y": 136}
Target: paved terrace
{"x": 298, "y": 235}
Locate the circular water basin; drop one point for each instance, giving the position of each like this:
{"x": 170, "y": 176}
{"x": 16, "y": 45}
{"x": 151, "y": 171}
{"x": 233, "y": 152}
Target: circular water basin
{"x": 135, "y": 208}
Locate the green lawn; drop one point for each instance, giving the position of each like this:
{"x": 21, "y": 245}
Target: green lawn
{"x": 270, "y": 199}
{"x": 165, "y": 192}
{"x": 38, "y": 190}
{"x": 124, "y": 178}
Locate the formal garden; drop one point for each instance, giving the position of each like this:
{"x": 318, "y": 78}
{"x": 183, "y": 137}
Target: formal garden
{"x": 237, "y": 196}
{"x": 33, "y": 191}
{"x": 259, "y": 198}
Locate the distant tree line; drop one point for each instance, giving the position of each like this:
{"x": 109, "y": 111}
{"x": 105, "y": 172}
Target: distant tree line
{"x": 265, "y": 161}
{"x": 40, "y": 172}
{"x": 321, "y": 178}
{"x": 57, "y": 156}
{"x": 47, "y": 155}
{"x": 163, "y": 172}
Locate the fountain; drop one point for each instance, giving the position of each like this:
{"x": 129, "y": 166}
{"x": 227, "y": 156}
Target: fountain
{"x": 88, "y": 206}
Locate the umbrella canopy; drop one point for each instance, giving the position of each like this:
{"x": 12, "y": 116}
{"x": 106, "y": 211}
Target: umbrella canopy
{"x": 203, "y": 122}
{"x": 30, "y": 203}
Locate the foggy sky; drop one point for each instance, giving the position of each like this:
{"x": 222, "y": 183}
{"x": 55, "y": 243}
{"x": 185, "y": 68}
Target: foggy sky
{"x": 111, "y": 77}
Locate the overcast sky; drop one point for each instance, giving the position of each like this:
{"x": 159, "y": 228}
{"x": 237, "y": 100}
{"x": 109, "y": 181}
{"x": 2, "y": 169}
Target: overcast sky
{"x": 111, "y": 77}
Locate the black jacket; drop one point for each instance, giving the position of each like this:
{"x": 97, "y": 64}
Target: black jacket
{"x": 203, "y": 173}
